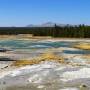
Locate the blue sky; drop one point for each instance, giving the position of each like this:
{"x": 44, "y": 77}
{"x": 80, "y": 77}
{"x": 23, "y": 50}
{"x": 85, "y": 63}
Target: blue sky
{"x": 24, "y": 12}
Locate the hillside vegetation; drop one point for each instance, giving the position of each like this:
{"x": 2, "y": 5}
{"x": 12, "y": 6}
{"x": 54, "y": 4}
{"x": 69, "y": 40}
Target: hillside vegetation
{"x": 78, "y": 31}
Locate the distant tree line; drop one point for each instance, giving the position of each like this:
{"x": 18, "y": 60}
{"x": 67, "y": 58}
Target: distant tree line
{"x": 78, "y": 31}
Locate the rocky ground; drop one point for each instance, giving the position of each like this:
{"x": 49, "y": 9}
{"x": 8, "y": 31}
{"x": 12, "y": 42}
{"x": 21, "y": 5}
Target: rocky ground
{"x": 49, "y": 69}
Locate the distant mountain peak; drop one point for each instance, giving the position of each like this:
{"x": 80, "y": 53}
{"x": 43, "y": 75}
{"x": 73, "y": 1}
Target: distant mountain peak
{"x": 46, "y": 24}
{"x": 30, "y": 25}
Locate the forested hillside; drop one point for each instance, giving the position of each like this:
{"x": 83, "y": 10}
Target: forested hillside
{"x": 78, "y": 31}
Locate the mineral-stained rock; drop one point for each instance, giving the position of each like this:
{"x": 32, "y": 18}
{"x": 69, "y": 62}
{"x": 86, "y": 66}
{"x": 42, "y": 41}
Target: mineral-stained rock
{"x": 84, "y": 46}
{"x": 37, "y": 60}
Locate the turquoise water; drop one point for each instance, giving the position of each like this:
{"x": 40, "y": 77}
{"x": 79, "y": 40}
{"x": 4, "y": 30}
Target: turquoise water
{"x": 15, "y": 44}
{"x": 29, "y": 45}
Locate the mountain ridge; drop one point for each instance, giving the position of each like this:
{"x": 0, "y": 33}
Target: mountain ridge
{"x": 46, "y": 24}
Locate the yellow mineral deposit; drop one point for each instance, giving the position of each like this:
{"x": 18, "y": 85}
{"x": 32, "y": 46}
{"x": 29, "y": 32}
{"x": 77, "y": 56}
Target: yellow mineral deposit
{"x": 42, "y": 58}
{"x": 52, "y": 57}
{"x": 49, "y": 56}
{"x": 84, "y": 46}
